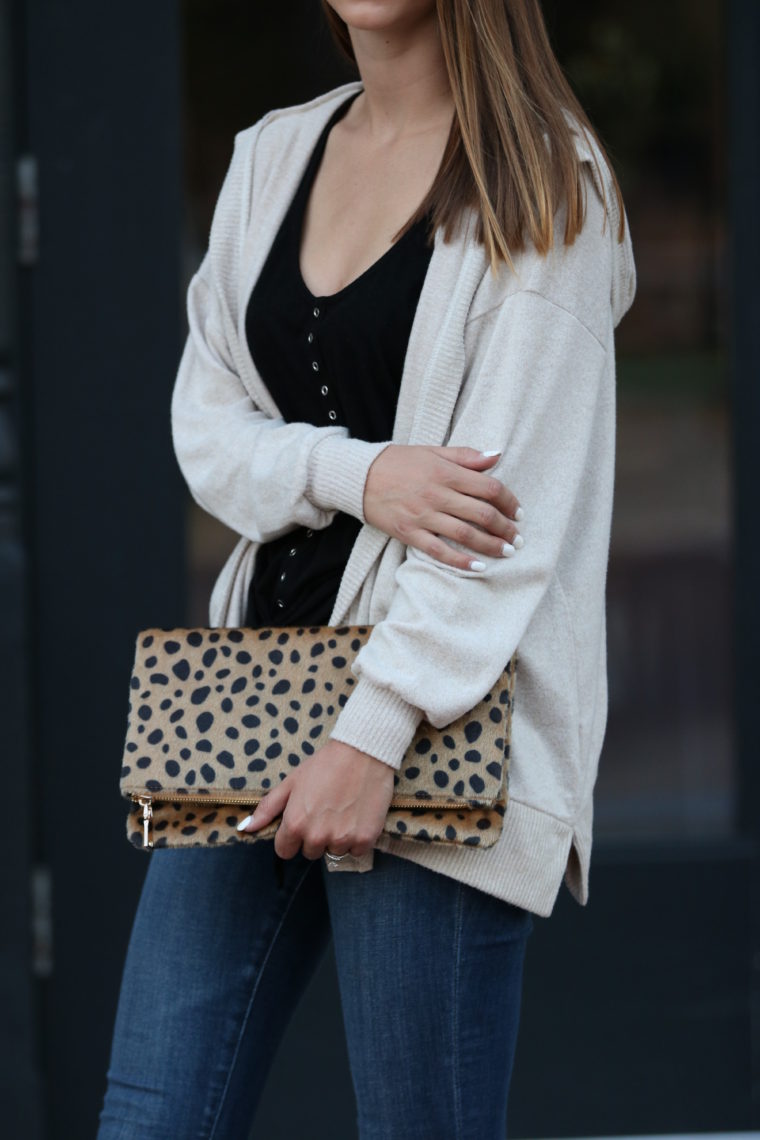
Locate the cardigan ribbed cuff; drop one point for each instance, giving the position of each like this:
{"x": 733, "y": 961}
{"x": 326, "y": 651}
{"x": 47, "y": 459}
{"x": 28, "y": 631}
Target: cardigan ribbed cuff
{"x": 337, "y": 471}
{"x": 377, "y": 721}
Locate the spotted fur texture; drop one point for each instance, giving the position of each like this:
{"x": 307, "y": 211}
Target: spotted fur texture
{"x": 222, "y": 715}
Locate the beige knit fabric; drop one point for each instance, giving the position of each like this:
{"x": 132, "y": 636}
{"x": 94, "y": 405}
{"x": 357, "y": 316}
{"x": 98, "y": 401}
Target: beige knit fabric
{"x": 522, "y": 361}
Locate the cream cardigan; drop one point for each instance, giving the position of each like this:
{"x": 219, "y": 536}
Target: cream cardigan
{"x": 521, "y": 361}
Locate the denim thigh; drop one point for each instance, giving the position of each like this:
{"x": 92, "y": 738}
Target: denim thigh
{"x": 430, "y": 974}
{"x": 220, "y": 952}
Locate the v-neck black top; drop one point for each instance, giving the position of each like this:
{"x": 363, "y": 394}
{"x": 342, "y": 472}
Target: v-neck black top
{"x": 327, "y": 360}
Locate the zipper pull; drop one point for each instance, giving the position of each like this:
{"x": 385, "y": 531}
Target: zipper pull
{"x": 146, "y": 804}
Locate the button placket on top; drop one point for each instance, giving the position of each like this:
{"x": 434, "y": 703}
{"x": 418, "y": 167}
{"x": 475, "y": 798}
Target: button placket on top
{"x": 280, "y": 602}
{"x": 324, "y": 389}
{"x": 331, "y": 414}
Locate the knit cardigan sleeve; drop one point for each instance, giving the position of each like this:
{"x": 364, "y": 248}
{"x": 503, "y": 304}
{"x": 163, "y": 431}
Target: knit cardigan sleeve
{"x": 242, "y": 462}
{"x": 539, "y": 383}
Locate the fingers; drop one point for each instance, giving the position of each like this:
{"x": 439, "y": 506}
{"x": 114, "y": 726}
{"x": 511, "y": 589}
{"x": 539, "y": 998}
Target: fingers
{"x": 411, "y": 489}
{"x": 481, "y": 485}
{"x": 439, "y": 549}
{"x": 287, "y": 841}
{"x": 295, "y": 833}
{"x": 473, "y": 478}
{"x": 272, "y": 805}
{"x": 478, "y": 544}
{"x": 469, "y": 456}
{"x": 294, "y": 837}
{"x": 316, "y": 848}
{"x": 477, "y": 520}
{"x": 473, "y": 509}
{"x": 337, "y": 803}
{"x": 290, "y": 833}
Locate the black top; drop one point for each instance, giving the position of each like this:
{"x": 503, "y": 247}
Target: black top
{"x": 327, "y": 360}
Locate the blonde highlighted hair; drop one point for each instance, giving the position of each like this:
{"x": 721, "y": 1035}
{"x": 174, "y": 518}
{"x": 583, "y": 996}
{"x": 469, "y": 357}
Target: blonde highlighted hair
{"x": 510, "y": 98}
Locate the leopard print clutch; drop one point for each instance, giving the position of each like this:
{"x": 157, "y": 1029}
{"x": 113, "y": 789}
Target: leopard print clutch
{"x": 217, "y": 717}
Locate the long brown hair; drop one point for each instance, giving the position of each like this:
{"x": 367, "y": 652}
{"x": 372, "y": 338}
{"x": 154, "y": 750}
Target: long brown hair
{"x": 510, "y": 97}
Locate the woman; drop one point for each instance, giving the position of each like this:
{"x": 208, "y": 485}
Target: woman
{"x": 355, "y": 401}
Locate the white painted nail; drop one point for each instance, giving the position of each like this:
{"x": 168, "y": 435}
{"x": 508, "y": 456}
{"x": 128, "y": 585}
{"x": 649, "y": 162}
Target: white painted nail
{"x": 475, "y": 565}
{"x": 244, "y": 823}
{"x": 518, "y": 542}
{"x": 519, "y": 514}
{"x": 507, "y": 550}
{"x": 488, "y": 454}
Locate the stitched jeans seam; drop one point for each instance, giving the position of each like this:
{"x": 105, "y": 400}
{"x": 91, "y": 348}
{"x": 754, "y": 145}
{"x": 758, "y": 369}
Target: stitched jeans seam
{"x": 455, "y": 1014}
{"x": 251, "y": 999}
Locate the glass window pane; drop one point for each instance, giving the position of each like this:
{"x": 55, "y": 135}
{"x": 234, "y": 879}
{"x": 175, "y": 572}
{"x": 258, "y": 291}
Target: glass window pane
{"x": 652, "y": 79}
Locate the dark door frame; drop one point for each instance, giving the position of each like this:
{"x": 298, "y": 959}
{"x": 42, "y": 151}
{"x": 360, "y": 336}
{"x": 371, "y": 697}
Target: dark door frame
{"x": 99, "y": 306}
{"x": 19, "y": 1042}
{"x": 744, "y": 132}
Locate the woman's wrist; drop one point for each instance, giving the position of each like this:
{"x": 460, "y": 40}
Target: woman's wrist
{"x": 337, "y": 473}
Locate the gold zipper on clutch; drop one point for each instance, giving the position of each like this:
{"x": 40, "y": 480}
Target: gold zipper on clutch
{"x": 146, "y": 803}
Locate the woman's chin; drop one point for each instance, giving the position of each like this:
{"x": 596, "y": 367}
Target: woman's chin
{"x": 381, "y": 15}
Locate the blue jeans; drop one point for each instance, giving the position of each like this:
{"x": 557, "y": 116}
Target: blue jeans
{"x": 221, "y": 950}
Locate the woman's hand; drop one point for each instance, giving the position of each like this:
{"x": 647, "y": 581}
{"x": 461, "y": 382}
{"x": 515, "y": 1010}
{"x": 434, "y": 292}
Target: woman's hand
{"x": 336, "y": 801}
{"x": 417, "y": 493}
